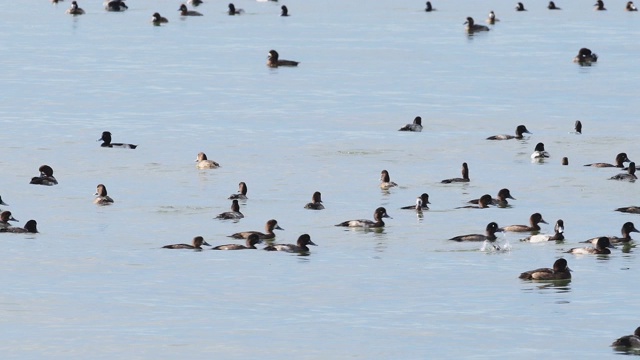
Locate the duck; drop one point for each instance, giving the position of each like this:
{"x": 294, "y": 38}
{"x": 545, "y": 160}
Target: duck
{"x": 378, "y": 215}
{"x": 599, "y": 5}
{"x": 464, "y": 178}
{"x": 267, "y": 235}
{"x": 629, "y": 209}
{"x": 472, "y": 27}
{"x": 492, "y": 18}
{"x": 625, "y": 231}
{"x": 490, "y": 234}
{"x": 557, "y": 236}
{"x": 552, "y": 6}
{"x": 273, "y": 60}
{"x": 578, "y": 127}
{"x": 195, "y": 2}
{"x": 520, "y": 7}
{"x": 102, "y": 197}
{"x": 185, "y": 12}
{"x": 628, "y": 341}
{"x": 601, "y": 247}
{"x": 520, "y": 129}
{"x": 299, "y": 247}
{"x": 115, "y": 5}
{"x": 585, "y": 57}
{"x": 630, "y": 6}
{"x": 234, "y": 214}
{"x": 204, "y": 163}
{"x": 483, "y": 203}
{"x": 5, "y": 217}
{"x": 156, "y": 19}
{"x": 421, "y": 203}
{"x": 74, "y": 9}
{"x": 630, "y": 175}
{"x": 233, "y": 10}
{"x": 30, "y": 226}
{"x": 429, "y": 8}
{"x": 560, "y": 271}
{"x": 621, "y": 158}
{"x": 500, "y": 200}
{"x": 385, "y": 181}
{"x": 196, "y": 244}
{"x": 46, "y": 177}
{"x": 242, "y": 192}
{"x": 316, "y": 202}
{"x": 106, "y": 142}
{"x": 534, "y": 220}
{"x": 539, "y": 152}
{"x": 250, "y": 243}
{"x": 284, "y": 11}
{"x": 415, "y": 127}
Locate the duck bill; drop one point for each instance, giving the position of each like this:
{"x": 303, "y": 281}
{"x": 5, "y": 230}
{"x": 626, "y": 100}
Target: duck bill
{"x": 278, "y": 228}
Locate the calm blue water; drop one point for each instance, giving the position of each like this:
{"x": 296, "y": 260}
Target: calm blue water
{"x": 94, "y": 282}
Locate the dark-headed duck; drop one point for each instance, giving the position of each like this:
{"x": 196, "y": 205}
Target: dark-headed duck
{"x": 471, "y": 27}
{"x": 316, "y": 202}
{"x": 539, "y": 152}
{"x": 385, "y": 180}
{"x": 601, "y": 247}
{"x": 557, "y": 236}
{"x": 233, "y": 10}
{"x": 520, "y": 129}
{"x": 106, "y": 142}
{"x": 299, "y": 247}
{"x": 552, "y": 6}
{"x": 464, "y": 178}
{"x": 630, "y": 6}
{"x": 234, "y": 214}
{"x": 185, "y": 12}
{"x": 156, "y": 19}
{"x": 483, "y": 203}
{"x": 491, "y": 19}
{"x": 599, "y": 5}
{"x": 560, "y": 271}
{"x": 284, "y": 11}
{"x": 242, "y": 192}
{"x": 415, "y": 127}
{"x": 74, "y": 9}
{"x": 5, "y": 217}
{"x": 102, "y": 197}
{"x": 267, "y": 235}
{"x": 500, "y": 200}
{"x": 30, "y": 226}
{"x": 628, "y": 341}
{"x": 630, "y": 175}
{"x": 520, "y": 7}
{"x": 115, "y": 5}
{"x": 250, "y": 243}
{"x": 196, "y": 244}
{"x": 621, "y": 158}
{"x": 45, "y": 178}
{"x": 429, "y": 8}
{"x": 421, "y": 203}
{"x": 490, "y": 234}
{"x": 273, "y": 60}
{"x": 204, "y": 163}
{"x": 534, "y": 220}
{"x": 625, "y": 231}
{"x": 585, "y": 57}
{"x": 378, "y": 214}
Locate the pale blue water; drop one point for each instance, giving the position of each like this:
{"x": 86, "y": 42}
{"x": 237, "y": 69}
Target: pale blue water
{"x": 94, "y": 282}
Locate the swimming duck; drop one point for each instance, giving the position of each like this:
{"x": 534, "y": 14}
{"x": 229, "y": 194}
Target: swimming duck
{"x": 234, "y": 214}
{"x": 630, "y": 175}
{"x": 106, "y": 142}
{"x": 539, "y": 152}
{"x": 5, "y": 217}
{"x": 299, "y": 247}
{"x": 500, "y": 200}
{"x": 242, "y": 192}
{"x": 629, "y": 209}
{"x": 625, "y": 231}
{"x": 233, "y": 10}
{"x": 601, "y": 247}
{"x": 421, "y": 203}
{"x": 316, "y": 202}
{"x": 464, "y": 178}
{"x": 472, "y": 27}
{"x": 250, "y": 243}
{"x": 520, "y": 129}
{"x": 273, "y": 60}
{"x": 185, "y": 12}
{"x": 102, "y": 197}
{"x": 630, "y": 6}
{"x": 378, "y": 214}
{"x": 385, "y": 181}
{"x": 29, "y": 227}
{"x": 429, "y": 8}
{"x": 585, "y": 57}
{"x": 578, "y": 127}
{"x": 115, "y": 5}
{"x": 267, "y": 235}
{"x": 557, "y": 236}
{"x": 534, "y": 220}
{"x": 284, "y": 11}
{"x": 196, "y": 244}
{"x": 490, "y": 234}
{"x": 552, "y": 6}
{"x": 628, "y": 341}
{"x": 195, "y": 2}
{"x": 483, "y": 203}
{"x": 45, "y": 178}
{"x": 520, "y": 7}
{"x": 599, "y": 5}
{"x": 156, "y": 19}
{"x": 492, "y": 18}
{"x": 74, "y": 9}
{"x": 560, "y": 271}
{"x": 204, "y": 163}
{"x": 415, "y": 127}
{"x": 621, "y": 158}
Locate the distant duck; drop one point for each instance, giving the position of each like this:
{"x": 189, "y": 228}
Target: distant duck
{"x": 500, "y": 200}
{"x": 628, "y": 341}
{"x": 195, "y": 2}
{"x": 492, "y": 18}
{"x": 539, "y": 152}
{"x": 625, "y": 231}
{"x": 630, "y": 6}
{"x": 429, "y": 8}
{"x": 629, "y": 209}
{"x": 520, "y": 130}
{"x": 157, "y": 19}
{"x": 483, "y": 203}
{"x": 578, "y": 127}
{"x": 185, "y": 12}
{"x": 377, "y": 222}
{"x": 196, "y": 244}
{"x": 621, "y": 158}
{"x": 421, "y": 203}
{"x": 234, "y": 214}
{"x": 464, "y": 178}
{"x": 472, "y": 27}
{"x": 601, "y": 248}
{"x": 273, "y": 60}
{"x": 630, "y": 175}
{"x": 5, "y": 217}
{"x": 233, "y": 10}
{"x": 585, "y": 57}
{"x": 316, "y": 202}
{"x": 30, "y": 226}
{"x": 242, "y": 192}
{"x": 106, "y": 142}
{"x": 204, "y": 163}
{"x": 533, "y": 226}
{"x": 250, "y": 243}
{"x": 416, "y": 126}
{"x": 520, "y": 7}
{"x": 599, "y": 5}
{"x": 115, "y": 5}
{"x": 552, "y": 6}
{"x": 489, "y": 235}
{"x": 560, "y": 271}
{"x": 102, "y": 197}
{"x": 267, "y": 235}
{"x": 45, "y": 178}
{"x": 284, "y": 11}
{"x": 557, "y": 236}
{"x": 74, "y": 9}
{"x": 385, "y": 181}
{"x": 299, "y": 247}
